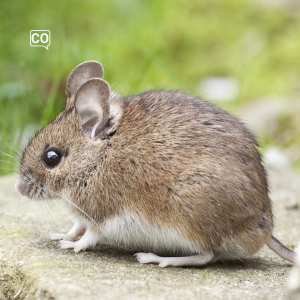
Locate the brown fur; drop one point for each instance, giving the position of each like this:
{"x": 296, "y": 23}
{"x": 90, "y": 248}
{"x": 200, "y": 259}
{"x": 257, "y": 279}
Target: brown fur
{"x": 174, "y": 159}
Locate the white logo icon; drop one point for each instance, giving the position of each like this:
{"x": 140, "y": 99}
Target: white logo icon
{"x": 40, "y": 38}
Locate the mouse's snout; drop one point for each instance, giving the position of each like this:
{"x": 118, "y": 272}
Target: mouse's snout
{"x": 32, "y": 188}
{"x": 19, "y": 186}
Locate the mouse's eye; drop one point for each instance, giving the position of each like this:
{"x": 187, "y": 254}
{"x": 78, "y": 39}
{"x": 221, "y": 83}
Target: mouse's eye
{"x": 51, "y": 158}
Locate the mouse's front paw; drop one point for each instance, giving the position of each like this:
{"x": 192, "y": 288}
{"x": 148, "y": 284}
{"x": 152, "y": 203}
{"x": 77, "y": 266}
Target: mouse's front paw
{"x": 89, "y": 239}
{"x": 56, "y": 236}
{"x": 77, "y": 246}
{"x": 61, "y": 236}
{"x": 67, "y": 244}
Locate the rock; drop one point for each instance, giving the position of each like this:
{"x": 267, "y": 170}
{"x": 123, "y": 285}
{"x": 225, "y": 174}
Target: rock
{"x": 277, "y": 120}
{"x": 274, "y": 158}
{"x": 109, "y": 272}
{"x": 262, "y": 115}
{"x": 219, "y": 88}
{"x": 1, "y": 295}
{"x": 294, "y": 282}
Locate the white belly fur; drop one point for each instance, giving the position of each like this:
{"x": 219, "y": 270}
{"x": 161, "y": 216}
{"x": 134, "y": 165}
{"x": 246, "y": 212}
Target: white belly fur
{"x": 131, "y": 231}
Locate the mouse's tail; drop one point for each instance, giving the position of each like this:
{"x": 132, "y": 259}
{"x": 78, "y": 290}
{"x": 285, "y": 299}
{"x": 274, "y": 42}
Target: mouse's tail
{"x": 282, "y": 250}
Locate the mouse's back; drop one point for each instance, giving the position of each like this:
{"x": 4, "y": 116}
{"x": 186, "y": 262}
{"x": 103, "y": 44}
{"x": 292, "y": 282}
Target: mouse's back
{"x": 180, "y": 162}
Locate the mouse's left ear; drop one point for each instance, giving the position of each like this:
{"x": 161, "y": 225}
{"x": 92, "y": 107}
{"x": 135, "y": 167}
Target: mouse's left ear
{"x": 81, "y": 74}
{"x": 92, "y": 103}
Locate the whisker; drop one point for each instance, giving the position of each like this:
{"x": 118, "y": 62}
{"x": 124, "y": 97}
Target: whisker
{"x": 34, "y": 204}
{"x": 6, "y": 188}
{"x": 49, "y": 210}
{"x": 73, "y": 204}
{"x": 16, "y": 207}
{"x": 31, "y": 207}
{"x": 12, "y": 148}
{"x": 9, "y": 163}
{"x": 10, "y": 175}
{"x": 4, "y": 153}
{"x": 23, "y": 199}
{"x": 43, "y": 210}
{"x": 10, "y": 171}
{"x": 62, "y": 209}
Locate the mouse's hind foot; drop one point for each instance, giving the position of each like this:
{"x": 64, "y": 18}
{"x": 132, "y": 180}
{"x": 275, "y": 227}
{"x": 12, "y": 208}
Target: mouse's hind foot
{"x": 195, "y": 260}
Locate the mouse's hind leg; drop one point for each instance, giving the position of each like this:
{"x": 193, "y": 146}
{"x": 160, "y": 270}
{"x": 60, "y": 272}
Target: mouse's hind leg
{"x": 195, "y": 260}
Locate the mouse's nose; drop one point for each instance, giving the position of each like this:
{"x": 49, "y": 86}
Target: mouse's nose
{"x": 19, "y": 186}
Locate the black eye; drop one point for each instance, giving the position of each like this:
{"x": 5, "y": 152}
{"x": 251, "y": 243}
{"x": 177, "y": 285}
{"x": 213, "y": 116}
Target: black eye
{"x": 51, "y": 158}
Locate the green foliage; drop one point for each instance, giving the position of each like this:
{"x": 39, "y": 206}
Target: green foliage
{"x": 142, "y": 45}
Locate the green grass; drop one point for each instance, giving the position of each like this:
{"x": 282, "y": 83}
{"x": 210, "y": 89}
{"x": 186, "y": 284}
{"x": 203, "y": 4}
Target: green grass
{"x": 142, "y": 45}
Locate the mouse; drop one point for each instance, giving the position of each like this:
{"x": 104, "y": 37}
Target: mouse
{"x": 167, "y": 174}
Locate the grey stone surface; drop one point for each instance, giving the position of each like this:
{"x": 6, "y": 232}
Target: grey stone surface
{"x": 107, "y": 272}
{"x": 294, "y": 282}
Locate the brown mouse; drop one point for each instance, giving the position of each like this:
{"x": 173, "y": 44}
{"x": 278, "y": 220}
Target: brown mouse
{"x": 161, "y": 172}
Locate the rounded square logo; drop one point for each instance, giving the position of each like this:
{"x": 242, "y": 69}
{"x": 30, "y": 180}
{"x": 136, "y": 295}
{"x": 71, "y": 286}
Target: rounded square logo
{"x": 40, "y": 38}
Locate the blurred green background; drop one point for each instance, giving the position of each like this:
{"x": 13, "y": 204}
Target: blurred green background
{"x": 150, "y": 44}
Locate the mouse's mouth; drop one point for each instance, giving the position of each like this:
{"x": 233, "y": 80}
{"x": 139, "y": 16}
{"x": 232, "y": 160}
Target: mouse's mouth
{"x": 31, "y": 188}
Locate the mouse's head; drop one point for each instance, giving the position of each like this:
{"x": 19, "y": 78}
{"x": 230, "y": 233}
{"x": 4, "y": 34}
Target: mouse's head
{"x": 67, "y": 152}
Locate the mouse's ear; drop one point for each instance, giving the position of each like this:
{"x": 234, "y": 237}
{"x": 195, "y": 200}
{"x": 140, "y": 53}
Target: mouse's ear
{"x": 81, "y": 74}
{"x": 92, "y": 103}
